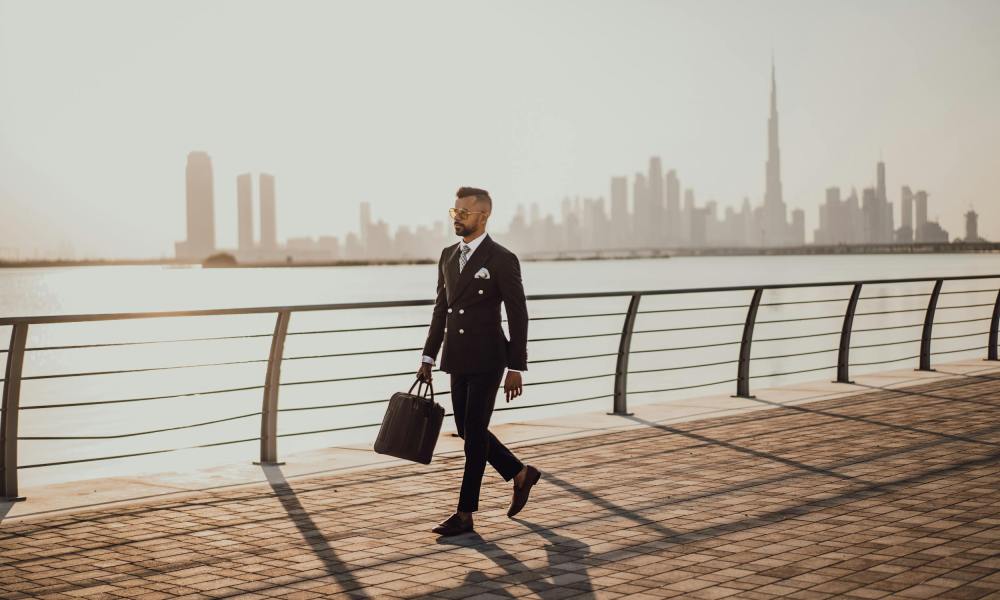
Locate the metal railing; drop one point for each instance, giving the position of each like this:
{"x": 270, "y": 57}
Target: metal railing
{"x": 270, "y": 408}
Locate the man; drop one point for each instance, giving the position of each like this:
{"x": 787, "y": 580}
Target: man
{"x": 474, "y": 277}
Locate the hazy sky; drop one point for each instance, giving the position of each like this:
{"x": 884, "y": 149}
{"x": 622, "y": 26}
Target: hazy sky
{"x": 399, "y": 103}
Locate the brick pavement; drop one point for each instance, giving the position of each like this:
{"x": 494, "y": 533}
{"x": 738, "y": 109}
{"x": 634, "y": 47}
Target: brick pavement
{"x": 888, "y": 493}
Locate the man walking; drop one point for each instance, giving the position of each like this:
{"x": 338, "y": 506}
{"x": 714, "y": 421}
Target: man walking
{"x": 474, "y": 277}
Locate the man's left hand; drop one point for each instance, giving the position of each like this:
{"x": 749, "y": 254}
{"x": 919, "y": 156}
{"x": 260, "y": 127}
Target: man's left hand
{"x": 512, "y": 387}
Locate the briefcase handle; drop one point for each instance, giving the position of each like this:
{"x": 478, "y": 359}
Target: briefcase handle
{"x": 421, "y": 390}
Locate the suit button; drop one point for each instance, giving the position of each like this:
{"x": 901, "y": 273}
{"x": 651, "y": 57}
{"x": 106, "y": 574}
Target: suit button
{"x": 449, "y": 310}
{"x": 480, "y": 291}
{"x": 461, "y": 311}
{"x": 461, "y": 331}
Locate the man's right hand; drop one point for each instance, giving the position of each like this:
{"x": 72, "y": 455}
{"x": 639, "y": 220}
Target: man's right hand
{"x": 424, "y": 372}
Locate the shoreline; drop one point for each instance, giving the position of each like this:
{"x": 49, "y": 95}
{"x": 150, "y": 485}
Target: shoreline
{"x": 566, "y": 255}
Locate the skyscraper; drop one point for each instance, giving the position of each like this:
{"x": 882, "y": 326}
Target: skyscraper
{"x": 920, "y": 226}
{"x": 640, "y": 210}
{"x": 654, "y": 225}
{"x": 871, "y": 210}
{"x": 268, "y": 218}
{"x": 774, "y": 228}
{"x": 972, "y": 227}
{"x": 365, "y": 227}
{"x": 244, "y": 209}
{"x": 797, "y": 234}
{"x": 687, "y": 216}
{"x": 905, "y": 232}
{"x": 673, "y": 214}
{"x": 880, "y": 181}
{"x": 619, "y": 211}
{"x": 200, "y": 197}
{"x": 885, "y": 219}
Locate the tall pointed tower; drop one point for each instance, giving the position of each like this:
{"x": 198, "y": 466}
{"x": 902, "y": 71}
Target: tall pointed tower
{"x": 774, "y": 229}
{"x": 772, "y": 193}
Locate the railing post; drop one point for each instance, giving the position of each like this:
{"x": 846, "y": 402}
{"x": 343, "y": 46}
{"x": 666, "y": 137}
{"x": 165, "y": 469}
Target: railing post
{"x": 272, "y": 382}
{"x": 843, "y": 357}
{"x": 8, "y": 421}
{"x": 991, "y": 352}
{"x": 743, "y": 372}
{"x": 925, "y": 338}
{"x": 624, "y": 346}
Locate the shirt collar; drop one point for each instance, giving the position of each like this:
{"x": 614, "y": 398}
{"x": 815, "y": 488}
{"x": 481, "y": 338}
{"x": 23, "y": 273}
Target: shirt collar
{"x": 473, "y": 244}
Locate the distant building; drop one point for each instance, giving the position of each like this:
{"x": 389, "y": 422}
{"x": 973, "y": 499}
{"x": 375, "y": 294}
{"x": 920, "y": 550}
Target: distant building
{"x": 884, "y": 229}
{"x": 244, "y": 208}
{"x": 640, "y": 207}
{"x": 832, "y": 219}
{"x": 920, "y": 225}
{"x": 673, "y": 208}
{"x": 798, "y": 227}
{"x": 972, "y": 227}
{"x": 653, "y": 225}
{"x": 268, "y": 216}
{"x": 904, "y": 235}
{"x": 934, "y": 233}
{"x": 620, "y": 224}
{"x": 199, "y": 192}
{"x": 699, "y": 227}
{"x": 872, "y": 212}
{"x": 364, "y": 225}
{"x": 773, "y": 219}
{"x": 686, "y": 216}
{"x": 330, "y": 245}
{"x": 352, "y": 247}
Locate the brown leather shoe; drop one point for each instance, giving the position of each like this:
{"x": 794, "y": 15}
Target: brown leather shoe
{"x": 521, "y": 493}
{"x": 453, "y": 525}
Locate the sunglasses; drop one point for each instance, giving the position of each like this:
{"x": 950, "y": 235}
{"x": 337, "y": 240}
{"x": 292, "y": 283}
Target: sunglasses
{"x": 463, "y": 213}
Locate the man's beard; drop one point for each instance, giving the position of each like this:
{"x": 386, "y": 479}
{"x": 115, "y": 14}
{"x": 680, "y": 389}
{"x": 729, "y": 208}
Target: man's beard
{"x": 462, "y": 230}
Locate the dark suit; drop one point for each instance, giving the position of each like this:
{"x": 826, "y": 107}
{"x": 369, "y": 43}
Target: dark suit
{"x": 467, "y": 321}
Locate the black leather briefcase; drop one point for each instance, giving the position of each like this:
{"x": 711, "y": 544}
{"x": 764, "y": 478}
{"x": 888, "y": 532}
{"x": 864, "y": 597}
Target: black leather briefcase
{"x": 411, "y": 425}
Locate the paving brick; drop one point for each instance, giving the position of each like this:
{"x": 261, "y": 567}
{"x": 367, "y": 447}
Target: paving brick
{"x": 893, "y": 492}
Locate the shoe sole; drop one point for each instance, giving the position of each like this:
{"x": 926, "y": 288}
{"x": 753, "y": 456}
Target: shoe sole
{"x": 452, "y": 534}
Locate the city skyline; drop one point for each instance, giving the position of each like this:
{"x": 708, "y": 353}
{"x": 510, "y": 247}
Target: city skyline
{"x": 654, "y": 219}
{"x": 89, "y": 153}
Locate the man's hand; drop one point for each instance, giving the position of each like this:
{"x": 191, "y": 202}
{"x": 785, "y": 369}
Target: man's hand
{"x": 512, "y": 387}
{"x": 424, "y": 372}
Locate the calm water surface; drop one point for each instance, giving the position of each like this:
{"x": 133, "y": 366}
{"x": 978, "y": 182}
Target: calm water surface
{"x": 80, "y": 290}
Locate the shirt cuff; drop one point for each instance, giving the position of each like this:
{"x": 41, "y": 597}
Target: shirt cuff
{"x": 427, "y": 359}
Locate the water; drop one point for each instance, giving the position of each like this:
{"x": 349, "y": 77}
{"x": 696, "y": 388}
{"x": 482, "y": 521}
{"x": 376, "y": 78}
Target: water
{"x": 141, "y": 288}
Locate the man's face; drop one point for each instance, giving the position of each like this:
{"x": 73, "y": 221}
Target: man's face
{"x": 470, "y": 215}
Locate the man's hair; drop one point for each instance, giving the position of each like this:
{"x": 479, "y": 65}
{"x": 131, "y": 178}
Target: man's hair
{"x": 481, "y": 196}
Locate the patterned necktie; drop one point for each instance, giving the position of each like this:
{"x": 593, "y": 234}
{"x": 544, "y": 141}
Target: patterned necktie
{"x": 464, "y": 257}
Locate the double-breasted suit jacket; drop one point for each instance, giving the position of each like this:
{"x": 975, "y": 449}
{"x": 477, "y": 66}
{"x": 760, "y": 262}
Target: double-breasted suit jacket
{"x": 467, "y": 312}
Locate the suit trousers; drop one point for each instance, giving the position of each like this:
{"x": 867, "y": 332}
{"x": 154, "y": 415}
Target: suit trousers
{"x": 473, "y": 396}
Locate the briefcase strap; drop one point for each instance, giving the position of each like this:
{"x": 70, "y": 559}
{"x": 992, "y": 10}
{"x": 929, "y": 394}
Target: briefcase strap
{"x": 422, "y": 389}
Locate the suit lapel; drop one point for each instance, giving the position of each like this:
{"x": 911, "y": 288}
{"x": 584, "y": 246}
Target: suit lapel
{"x": 451, "y": 273}
{"x": 476, "y": 261}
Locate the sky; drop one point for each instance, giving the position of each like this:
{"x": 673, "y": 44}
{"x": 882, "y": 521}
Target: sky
{"x": 399, "y": 103}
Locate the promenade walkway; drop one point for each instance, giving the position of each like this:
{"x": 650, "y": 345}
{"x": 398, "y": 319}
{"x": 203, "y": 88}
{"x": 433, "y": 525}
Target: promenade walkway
{"x": 887, "y": 492}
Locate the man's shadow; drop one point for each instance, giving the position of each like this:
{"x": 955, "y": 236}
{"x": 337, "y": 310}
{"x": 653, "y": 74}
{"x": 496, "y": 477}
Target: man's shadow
{"x": 553, "y": 580}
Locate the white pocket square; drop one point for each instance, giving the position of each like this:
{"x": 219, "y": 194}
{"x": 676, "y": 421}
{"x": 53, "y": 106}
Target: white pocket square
{"x": 482, "y": 274}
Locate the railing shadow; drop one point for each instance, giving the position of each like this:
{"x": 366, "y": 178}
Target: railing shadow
{"x": 311, "y": 533}
{"x": 798, "y": 408}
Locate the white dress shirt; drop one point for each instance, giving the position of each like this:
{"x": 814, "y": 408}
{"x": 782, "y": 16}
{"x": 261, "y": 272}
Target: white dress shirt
{"x": 472, "y": 249}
